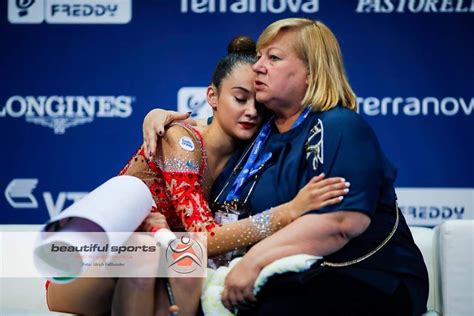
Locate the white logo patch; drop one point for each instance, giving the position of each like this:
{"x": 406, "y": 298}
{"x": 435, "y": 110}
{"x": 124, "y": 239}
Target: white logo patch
{"x": 186, "y": 143}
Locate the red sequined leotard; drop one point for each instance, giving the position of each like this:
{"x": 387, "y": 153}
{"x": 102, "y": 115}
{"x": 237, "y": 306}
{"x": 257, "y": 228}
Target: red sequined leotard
{"x": 175, "y": 178}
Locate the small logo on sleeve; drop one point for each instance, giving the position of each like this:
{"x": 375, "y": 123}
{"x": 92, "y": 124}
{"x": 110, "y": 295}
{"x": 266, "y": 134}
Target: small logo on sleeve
{"x": 186, "y": 143}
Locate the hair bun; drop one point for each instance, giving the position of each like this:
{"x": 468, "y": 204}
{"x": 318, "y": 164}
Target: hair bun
{"x": 242, "y": 45}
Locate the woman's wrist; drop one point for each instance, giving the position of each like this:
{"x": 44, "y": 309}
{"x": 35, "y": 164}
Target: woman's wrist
{"x": 272, "y": 220}
{"x": 284, "y": 214}
{"x": 253, "y": 260}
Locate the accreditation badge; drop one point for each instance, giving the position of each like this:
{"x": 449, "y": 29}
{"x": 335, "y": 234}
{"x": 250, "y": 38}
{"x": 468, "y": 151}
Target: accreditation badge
{"x": 222, "y": 217}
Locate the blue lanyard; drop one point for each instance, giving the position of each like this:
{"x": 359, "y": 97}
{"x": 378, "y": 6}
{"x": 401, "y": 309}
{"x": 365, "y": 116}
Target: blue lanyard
{"x": 252, "y": 165}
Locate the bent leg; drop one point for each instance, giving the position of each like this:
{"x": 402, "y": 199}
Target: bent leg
{"x": 187, "y": 294}
{"x": 88, "y": 296}
{"x": 134, "y": 296}
{"x": 135, "y": 290}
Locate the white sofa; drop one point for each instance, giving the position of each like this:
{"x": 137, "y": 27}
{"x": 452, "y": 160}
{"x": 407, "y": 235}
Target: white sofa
{"x": 448, "y": 251}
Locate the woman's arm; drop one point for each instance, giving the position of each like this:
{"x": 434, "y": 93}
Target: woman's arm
{"x": 319, "y": 192}
{"x": 315, "y": 234}
{"x": 191, "y": 205}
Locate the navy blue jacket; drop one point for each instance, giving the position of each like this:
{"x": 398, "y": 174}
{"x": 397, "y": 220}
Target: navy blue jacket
{"x": 340, "y": 143}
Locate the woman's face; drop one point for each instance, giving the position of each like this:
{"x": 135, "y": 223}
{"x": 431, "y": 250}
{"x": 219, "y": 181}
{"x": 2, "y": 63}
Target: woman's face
{"x": 281, "y": 76}
{"x": 236, "y": 109}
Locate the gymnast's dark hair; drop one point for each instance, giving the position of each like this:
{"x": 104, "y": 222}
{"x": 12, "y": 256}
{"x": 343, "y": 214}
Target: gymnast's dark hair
{"x": 241, "y": 49}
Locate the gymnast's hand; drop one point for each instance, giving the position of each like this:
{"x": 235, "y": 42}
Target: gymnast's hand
{"x": 154, "y": 125}
{"x": 318, "y": 193}
{"x": 153, "y": 222}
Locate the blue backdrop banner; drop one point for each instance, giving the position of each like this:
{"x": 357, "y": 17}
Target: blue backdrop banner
{"x": 78, "y": 76}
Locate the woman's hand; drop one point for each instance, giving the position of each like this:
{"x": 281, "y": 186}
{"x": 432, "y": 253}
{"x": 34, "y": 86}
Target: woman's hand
{"x": 318, "y": 193}
{"x": 153, "y": 222}
{"x": 154, "y": 124}
{"x": 239, "y": 284}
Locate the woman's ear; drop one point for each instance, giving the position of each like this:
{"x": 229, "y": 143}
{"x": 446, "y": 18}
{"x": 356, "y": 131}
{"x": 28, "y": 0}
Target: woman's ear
{"x": 212, "y": 97}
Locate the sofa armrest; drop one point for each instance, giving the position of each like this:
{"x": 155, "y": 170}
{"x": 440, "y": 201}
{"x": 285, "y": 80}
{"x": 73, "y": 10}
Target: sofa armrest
{"x": 454, "y": 243}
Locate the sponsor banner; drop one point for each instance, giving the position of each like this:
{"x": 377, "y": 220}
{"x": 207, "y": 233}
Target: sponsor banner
{"x": 64, "y": 256}
{"x": 432, "y": 206}
{"x": 415, "y": 6}
{"x": 20, "y": 194}
{"x": 194, "y": 100}
{"x": 62, "y": 112}
{"x": 414, "y": 106}
{"x": 249, "y": 6}
{"x": 420, "y": 206}
{"x": 70, "y": 11}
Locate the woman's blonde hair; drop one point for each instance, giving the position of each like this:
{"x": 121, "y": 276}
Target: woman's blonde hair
{"x": 318, "y": 48}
